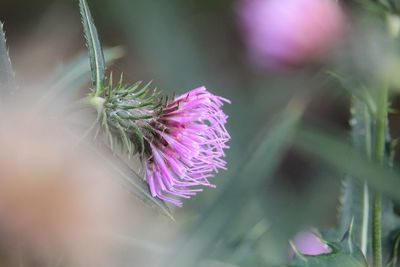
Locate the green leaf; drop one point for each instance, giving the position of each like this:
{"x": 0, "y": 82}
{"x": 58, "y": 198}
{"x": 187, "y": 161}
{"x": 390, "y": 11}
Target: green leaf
{"x": 355, "y": 200}
{"x": 97, "y": 62}
{"x": 343, "y": 254}
{"x": 339, "y": 154}
{"x": 7, "y": 78}
{"x": 375, "y": 7}
{"x": 395, "y": 251}
{"x": 390, "y": 231}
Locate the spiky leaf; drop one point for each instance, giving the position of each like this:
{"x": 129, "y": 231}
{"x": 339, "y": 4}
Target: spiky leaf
{"x": 97, "y": 62}
{"x": 355, "y": 200}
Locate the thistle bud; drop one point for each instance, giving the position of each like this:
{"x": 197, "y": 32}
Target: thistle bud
{"x": 307, "y": 243}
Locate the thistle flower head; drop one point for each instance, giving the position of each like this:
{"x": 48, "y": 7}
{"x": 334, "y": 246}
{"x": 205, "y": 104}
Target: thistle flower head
{"x": 185, "y": 146}
{"x": 181, "y": 141}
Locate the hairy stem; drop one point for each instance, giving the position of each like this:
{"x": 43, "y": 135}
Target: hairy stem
{"x": 381, "y": 121}
{"x": 377, "y": 231}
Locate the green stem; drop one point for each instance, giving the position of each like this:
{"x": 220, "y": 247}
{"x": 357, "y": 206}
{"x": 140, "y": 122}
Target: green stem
{"x": 377, "y": 231}
{"x": 366, "y": 198}
{"x": 381, "y": 121}
{"x": 90, "y": 101}
{"x": 93, "y": 102}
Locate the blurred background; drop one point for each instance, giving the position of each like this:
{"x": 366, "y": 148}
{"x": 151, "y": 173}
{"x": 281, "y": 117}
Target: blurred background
{"x": 183, "y": 44}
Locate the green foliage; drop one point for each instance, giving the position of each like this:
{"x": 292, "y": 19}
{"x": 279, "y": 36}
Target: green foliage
{"x": 96, "y": 56}
{"x": 381, "y": 6}
{"x": 391, "y": 5}
{"x": 390, "y": 229}
{"x": 355, "y": 201}
{"x": 395, "y": 250}
{"x": 339, "y": 154}
{"x": 370, "y": 136}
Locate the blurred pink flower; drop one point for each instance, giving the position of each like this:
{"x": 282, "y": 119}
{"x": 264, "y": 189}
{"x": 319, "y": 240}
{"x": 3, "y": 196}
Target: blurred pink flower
{"x": 186, "y": 145}
{"x": 287, "y": 33}
{"x": 308, "y": 243}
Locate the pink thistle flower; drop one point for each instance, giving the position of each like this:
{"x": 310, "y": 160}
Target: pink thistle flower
{"x": 286, "y": 33}
{"x": 184, "y": 145}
